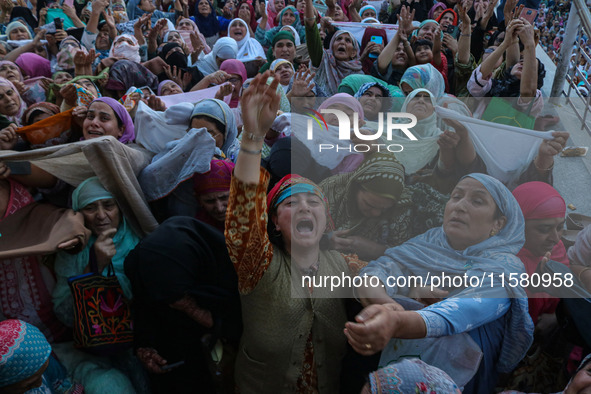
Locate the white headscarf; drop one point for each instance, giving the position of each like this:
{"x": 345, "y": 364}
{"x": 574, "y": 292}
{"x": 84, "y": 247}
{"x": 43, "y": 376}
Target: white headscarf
{"x": 294, "y": 32}
{"x": 248, "y": 47}
{"x": 225, "y": 48}
{"x": 124, "y": 50}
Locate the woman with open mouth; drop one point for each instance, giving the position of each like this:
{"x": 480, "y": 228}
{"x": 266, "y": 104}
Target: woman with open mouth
{"x": 249, "y": 49}
{"x": 333, "y": 64}
{"x": 286, "y": 341}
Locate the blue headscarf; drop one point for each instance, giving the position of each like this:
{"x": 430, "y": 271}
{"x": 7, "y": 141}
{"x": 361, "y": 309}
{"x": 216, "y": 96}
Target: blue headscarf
{"x": 208, "y": 25}
{"x": 220, "y": 111}
{"x": 431, "y": 253}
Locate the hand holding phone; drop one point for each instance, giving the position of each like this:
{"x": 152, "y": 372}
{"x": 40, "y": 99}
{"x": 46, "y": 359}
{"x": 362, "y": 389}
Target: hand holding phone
{"x": 529, "y": 14}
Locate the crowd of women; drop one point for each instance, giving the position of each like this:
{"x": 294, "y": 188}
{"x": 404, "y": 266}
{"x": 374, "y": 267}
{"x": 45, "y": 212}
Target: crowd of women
{"x": 162, "y": 146}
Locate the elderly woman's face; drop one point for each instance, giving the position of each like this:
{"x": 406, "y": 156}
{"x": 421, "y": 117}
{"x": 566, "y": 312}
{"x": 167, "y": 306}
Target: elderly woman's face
{"x": 301, "y": 220}
{"x": 542, "y": 235}
{"x": 174, "y": 36}
{"x": 237, "y": 31}
{"x": 10, "y": 101}
{"x": 288, "y": 18}
{"x": 421, "y": 106}
{"x": 101, "y": 216}
{"x": 185, "y": 25}
{"x": 343, "y": 47}
{"x": 284, "y": 49}
{"x": 62, "y": 77}
{"x": 469, "y": 216}
{"x": 10, "y": 72}
{"x": 101, "y": 120}
{"x": 212, "y": 129}
{"x": 371, "y": 101}
{"x": 169, "y": 89}
{"x": 88, "y": 85}
{"x": 428, "y": 31}
{"x": 20, "y": 33}
{"x": 285, "y": 72}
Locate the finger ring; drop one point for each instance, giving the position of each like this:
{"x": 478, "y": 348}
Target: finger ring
{"x": 368, "y": 345}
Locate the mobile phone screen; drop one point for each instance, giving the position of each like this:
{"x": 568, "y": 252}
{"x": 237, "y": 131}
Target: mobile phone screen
{"x": 377, "y": 39}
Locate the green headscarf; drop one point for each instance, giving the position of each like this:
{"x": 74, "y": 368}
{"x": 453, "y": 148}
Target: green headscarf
{"x": 87, "y": 192}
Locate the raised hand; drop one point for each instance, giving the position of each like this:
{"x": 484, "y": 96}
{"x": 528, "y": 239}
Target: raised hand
{"x": 303, "y": 82}
{"x": 225, "y": 90}
{"x": 260, "y": 103}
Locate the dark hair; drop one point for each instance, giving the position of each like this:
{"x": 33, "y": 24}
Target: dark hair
{"x": 220, "y": 126}
{"x": 421, "y": 43}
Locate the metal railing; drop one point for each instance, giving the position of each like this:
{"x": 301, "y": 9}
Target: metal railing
{"x": 579, "y": 22}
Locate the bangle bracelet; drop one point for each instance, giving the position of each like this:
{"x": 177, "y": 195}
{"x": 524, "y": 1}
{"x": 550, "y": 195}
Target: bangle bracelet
{"x": 311, "y": 18}
{"x": 251, "y": 152}
{"x": 543, "y": 169}
{"x": 582, "y": 272}
{"x": 253, "y": 137}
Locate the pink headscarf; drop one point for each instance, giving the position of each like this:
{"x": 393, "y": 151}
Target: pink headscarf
{"x": 34, "y": 65}
{"x": 271, "y": 14}
{"x": 539, "y": 200}
{"x": 233, "y": 66}
{"x": 215, "y": 180}
{"x": 345, "y": 99}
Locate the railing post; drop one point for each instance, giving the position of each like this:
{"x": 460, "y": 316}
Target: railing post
{"x": 572, "y": 26}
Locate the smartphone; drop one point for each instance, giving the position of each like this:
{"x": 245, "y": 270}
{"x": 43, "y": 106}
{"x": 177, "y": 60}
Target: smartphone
{"x": 377, "y": 39}
{"x": 59, "y": 25}
{"x": 529, "y": 14}
{"x": 19, "y": 167}
{"x": 173, "y": 365}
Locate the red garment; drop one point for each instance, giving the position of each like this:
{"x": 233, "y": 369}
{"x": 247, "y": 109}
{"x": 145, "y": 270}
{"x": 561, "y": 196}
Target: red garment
{"x": 23, "y": 290}
{"x": 369, "y": 32}
{"x": 539, "y": 200}
{"x": 455, "y": 22}
{"x": 253, "y": 20}
{"x": 442, "y": 68}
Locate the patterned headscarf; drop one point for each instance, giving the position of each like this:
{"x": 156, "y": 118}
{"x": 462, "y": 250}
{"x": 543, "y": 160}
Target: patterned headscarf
{"x": 344, "y": 99}
{"x": 289, "y": 185}
{"x": 424, "y": 76}
{"x": 47, "y": 108}
{"x": 215, "y": 180}
{"x": 411, "y": 376}
{"x": 23, "y": 351}
{"x": 125, "y": 74}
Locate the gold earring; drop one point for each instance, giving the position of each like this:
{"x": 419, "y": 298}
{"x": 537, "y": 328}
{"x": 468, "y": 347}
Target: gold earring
{"x": 493, "y": 232}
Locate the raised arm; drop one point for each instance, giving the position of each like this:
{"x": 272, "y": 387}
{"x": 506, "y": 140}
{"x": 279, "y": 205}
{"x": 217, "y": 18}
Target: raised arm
{"x": 488, "y": 65}
{"x": 465, "y": 36}
{"x": 529, "y": 73}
